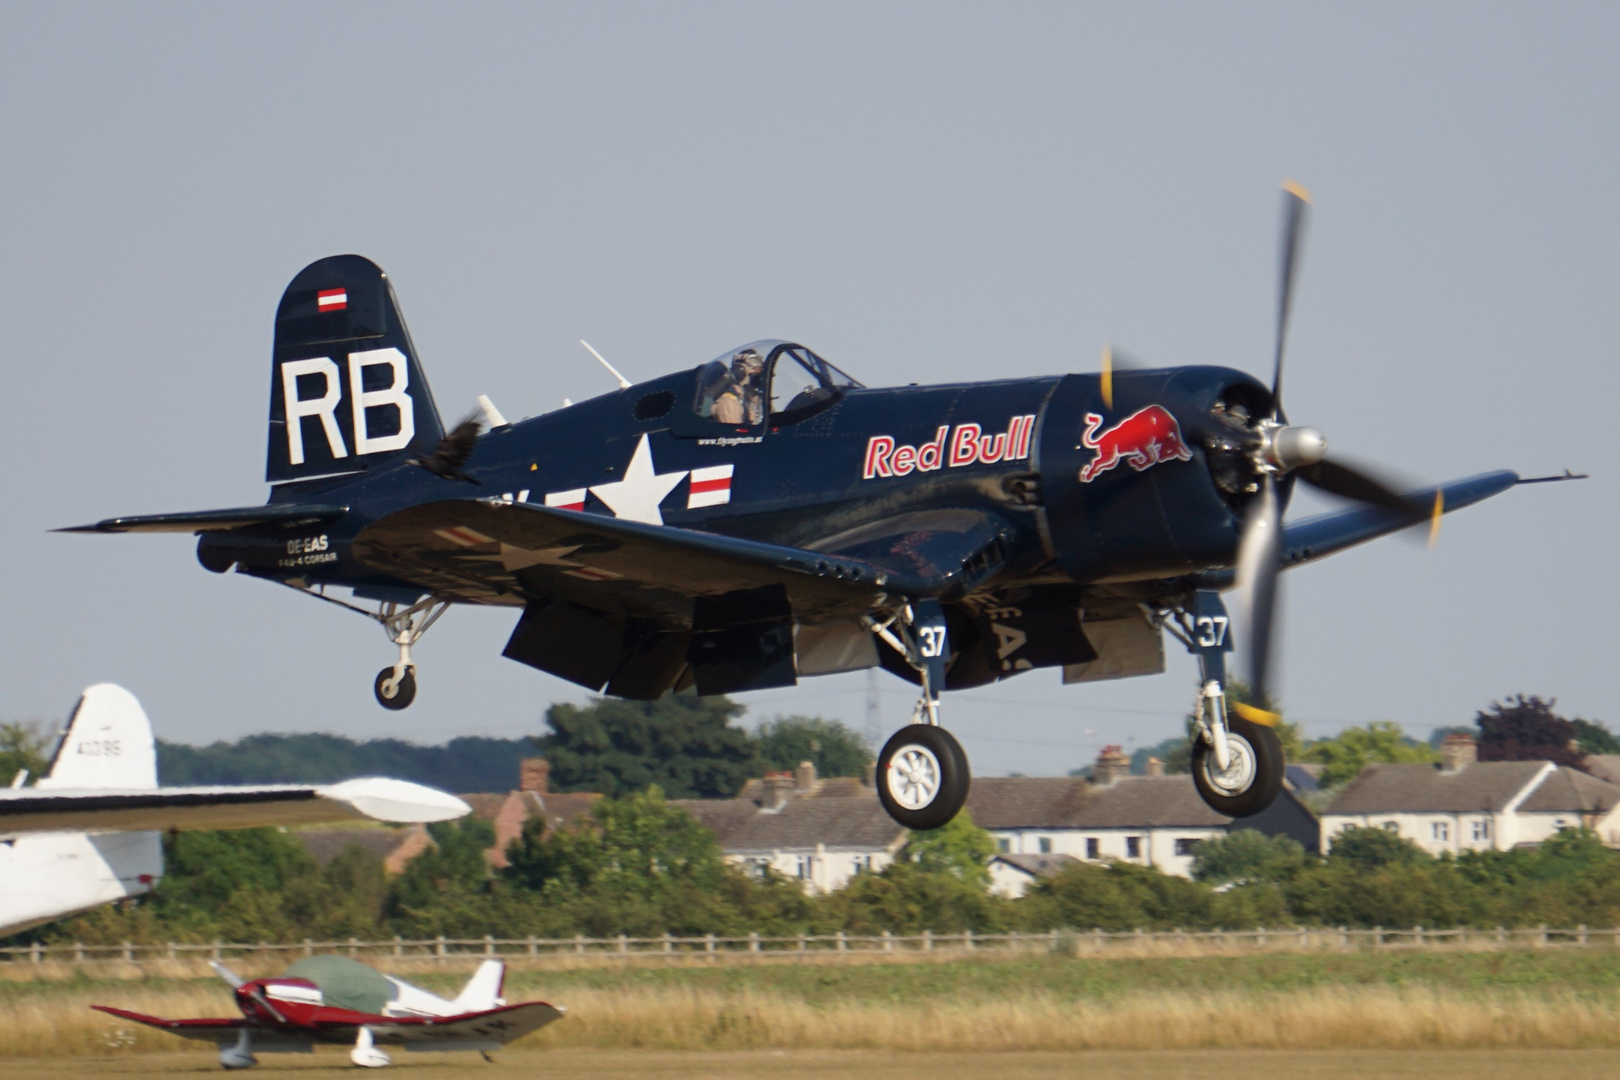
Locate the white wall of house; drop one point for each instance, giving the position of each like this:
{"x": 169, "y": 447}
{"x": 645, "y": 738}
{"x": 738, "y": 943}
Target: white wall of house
{"x": 1435, "y": 833}
{"x": 821, "y": 868}
{"x": 1009, "y": 881}
{"x": 1167, "y": 849}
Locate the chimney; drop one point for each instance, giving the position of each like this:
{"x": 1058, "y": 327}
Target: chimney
{"x": 534, "y": 775}
{"x": 1458, "y": 751}
{"x": 1111, "y": 765}
{"x": 804, "y": 777}
{"x": 1155, "y": 767}
{"x": 775, "y": 791}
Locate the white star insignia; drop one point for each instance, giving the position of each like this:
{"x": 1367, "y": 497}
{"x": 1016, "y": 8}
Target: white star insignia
{"x": 637, "y": 496}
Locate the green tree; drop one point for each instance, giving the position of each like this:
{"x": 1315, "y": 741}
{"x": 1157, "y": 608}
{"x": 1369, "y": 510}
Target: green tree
{"x": 446, "y": 889}
{"x": 684, "y": 744}
{"x": 1370, "y": 849}
{"x": 831, "y": 747}
{"x": 1594, "y": 737}
{"x": 1354, "y": 748}
{"x": 635, "y": 865}
{"x": 1248, "y": 855}
{"x": 23, "y": 745}
{"x": 1526, "y": 729}
{"x": 959, "y": 848}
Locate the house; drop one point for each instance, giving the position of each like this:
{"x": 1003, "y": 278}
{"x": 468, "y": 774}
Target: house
{"x": 821, "y": 831}
{"x": 394, "y": 848}
{"x": 1464, "y": 804}
{"x": 1154, "y": 820}
{"x": 1012, "y": 875}
{"x": 509, "y": 811}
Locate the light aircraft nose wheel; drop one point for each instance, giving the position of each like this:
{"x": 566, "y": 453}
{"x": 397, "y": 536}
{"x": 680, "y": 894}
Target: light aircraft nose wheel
{"x": 922, "y": 776}
{"x": 392, "y": 694}
{"x": 1253, "y": 774}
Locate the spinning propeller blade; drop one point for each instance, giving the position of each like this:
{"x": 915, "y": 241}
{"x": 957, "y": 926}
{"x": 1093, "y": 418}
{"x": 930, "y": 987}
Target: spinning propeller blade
{"x": 1296, "y": 200}
{"x": 1257, "y": 571}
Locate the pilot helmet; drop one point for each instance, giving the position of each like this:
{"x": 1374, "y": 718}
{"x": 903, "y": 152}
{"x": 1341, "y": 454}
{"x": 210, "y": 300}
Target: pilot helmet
{"x": 749, "y": 360}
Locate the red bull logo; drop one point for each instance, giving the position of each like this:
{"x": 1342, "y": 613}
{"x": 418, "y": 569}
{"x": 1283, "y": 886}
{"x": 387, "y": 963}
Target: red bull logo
{"x": 1141, "y": 440}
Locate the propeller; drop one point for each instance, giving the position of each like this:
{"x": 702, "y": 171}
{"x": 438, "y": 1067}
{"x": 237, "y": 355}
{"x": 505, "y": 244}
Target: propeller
{"x": 1283, "y": 450}
{"x": 241, "y": 986}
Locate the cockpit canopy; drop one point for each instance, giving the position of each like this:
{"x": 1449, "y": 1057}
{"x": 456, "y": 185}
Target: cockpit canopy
{"x": 779, "y": 379}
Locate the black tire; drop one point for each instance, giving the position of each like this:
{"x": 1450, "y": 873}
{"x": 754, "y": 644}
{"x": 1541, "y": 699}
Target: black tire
{"x": 922, "y": 776}
{"x": 404, "y": 693}
{"x": 1256, "y": 775}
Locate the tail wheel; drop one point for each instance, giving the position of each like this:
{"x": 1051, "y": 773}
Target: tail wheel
{"x": 395, "y": 695}
{"x": 1253, "y": 775}
{"x": 922, "y": 776}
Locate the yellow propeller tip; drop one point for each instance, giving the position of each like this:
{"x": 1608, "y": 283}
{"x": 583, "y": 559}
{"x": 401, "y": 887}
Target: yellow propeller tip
{"x": 1106, "y": 382}
{"x": 1296, "y": 189}
{"x": 1254, "y": 715}
{"x": 1434, "y": 518}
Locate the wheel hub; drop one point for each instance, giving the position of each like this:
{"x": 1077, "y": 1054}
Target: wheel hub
{"x": 1239, "y": 774}
{"x": 914, "y": 777}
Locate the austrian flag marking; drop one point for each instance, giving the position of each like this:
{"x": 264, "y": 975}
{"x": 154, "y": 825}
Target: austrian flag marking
{"x": 709, "y": 487}
{"x": 332, "y": 300}
{"x": 967, "y": 444}
{"x": 567, "y": 500}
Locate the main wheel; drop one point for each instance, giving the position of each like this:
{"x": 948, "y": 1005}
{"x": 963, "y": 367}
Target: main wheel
{"x": 400, "y": 695}
{"x": 1253, "y": 775}
{"x": 922, "y": 776}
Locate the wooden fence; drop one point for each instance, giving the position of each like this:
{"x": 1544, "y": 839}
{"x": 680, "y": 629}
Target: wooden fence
{"x": 711, "y": 946}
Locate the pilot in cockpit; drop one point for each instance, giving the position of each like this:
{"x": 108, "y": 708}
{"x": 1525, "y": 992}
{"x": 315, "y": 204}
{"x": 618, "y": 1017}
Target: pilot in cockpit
{"x": 739, "y": 394}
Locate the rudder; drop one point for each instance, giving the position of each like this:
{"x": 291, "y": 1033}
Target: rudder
{"x": 108, "y": 744}
{"x": 346, "y": 389}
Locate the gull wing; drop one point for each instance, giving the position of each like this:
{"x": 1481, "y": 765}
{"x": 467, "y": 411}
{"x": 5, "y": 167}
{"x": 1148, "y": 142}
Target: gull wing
{"x": 492, "y": 551}
{"x": 33, "y": 810}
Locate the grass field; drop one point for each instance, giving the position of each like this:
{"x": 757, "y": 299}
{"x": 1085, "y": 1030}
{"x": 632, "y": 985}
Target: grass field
{"x": 855, "y": 1065}
{"x": 1566, "y": 999}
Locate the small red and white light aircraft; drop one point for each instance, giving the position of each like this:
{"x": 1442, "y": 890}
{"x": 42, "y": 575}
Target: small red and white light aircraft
{"x": 335, "y": 1000}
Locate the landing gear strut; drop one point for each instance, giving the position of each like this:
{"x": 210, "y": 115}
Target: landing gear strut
{"x": 922, "y": 772}
{"x": 1237, "y": 759}
{"x": 395, "y": 686}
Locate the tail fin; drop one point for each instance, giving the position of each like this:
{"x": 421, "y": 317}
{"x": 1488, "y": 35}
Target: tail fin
{"x": 483, "y": 990}
{"x": 346, "y": 391}
{"x": 108, "y": 744}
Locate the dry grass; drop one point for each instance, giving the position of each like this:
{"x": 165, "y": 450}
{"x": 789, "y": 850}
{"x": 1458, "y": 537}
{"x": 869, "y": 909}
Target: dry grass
{"x": 865, "y": 1065}
{"x": 61, "y": 1023}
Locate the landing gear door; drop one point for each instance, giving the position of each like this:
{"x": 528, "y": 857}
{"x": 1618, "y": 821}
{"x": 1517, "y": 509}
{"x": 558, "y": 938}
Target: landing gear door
{"x": 1125, "y": 647}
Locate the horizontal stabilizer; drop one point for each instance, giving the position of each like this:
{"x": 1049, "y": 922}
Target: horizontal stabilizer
{"x": 202, "y": 521}
{"x": 32, "y": 810}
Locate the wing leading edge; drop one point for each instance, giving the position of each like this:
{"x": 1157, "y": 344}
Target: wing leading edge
{"x": 33, "y": 810}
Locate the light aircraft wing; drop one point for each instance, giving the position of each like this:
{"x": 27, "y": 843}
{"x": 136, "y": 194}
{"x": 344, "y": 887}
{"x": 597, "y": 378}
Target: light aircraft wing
{"x": 469, "y": 1031}
{"x": 491, "y": 551}
{"x": 219, "y": 1030}
{"x": 35, "y": 809}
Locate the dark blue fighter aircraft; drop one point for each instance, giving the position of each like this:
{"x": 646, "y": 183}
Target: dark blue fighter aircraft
{"x": 765, "y": 517}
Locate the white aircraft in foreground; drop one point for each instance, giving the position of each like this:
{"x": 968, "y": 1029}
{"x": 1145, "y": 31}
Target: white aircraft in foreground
{"x": 90, "y": 831}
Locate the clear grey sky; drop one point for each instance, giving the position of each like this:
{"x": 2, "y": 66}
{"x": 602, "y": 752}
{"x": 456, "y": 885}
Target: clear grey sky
{"x": 918, "y": 191}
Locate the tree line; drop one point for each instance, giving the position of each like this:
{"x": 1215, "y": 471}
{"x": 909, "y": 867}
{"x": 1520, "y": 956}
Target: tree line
{"x": 640, "y": 866}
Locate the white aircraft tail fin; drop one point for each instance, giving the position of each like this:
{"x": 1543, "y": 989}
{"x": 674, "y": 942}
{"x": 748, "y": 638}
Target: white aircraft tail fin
{"x": 108, "y": 744}
{"x": 483, "y": 990}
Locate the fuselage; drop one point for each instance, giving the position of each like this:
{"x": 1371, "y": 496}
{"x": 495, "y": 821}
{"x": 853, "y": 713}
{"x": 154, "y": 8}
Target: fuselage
{"x": 816, "y": 476}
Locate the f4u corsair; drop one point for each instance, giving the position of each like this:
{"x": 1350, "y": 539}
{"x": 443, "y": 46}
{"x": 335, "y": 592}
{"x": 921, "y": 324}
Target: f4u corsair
{"x": 765, "y": 517}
